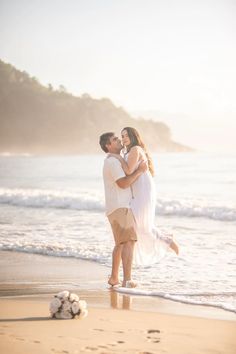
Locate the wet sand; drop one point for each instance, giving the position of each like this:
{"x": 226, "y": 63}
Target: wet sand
{"x": 116, "y": 323}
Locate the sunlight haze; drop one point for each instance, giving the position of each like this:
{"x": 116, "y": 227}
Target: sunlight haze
{"x": 174, "y": 60}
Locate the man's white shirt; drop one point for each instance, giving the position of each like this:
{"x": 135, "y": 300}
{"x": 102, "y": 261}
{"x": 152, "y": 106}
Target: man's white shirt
{"x": 115, "y": 197}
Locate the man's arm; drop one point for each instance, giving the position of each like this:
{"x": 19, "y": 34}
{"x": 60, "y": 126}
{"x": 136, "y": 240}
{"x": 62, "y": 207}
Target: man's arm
{"x": 126, "y": 181}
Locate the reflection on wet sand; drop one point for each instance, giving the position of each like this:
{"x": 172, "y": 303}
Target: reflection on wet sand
{"x": 120, "y": 301}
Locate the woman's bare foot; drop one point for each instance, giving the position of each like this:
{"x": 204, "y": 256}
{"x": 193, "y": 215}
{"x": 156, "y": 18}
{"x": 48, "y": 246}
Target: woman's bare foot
{"x": 174, "y": 247}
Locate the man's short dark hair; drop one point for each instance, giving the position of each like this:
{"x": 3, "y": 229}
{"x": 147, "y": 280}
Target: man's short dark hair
{"x": 105, "y": 139}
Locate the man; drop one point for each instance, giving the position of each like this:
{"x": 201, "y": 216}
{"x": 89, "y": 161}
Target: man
{"x": 117, "y": 199}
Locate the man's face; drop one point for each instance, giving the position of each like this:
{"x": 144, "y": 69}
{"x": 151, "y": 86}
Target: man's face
{"x": 115, "y": 145}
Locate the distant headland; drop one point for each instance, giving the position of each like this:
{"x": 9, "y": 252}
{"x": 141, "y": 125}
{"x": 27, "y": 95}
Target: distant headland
{"x": 41, "y": 120}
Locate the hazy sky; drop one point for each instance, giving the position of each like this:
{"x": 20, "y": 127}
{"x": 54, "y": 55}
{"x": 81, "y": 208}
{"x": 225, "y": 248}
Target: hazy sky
{"x": 177, "y": 57}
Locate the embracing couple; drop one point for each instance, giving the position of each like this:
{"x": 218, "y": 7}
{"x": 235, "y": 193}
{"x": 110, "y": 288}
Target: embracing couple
{"x": 130, "y": 205}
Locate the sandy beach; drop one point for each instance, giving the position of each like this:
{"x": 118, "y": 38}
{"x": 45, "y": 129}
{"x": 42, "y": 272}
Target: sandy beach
{"x": 116, "y": 323}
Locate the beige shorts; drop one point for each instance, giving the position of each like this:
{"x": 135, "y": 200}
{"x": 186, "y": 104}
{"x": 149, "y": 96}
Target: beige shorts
{"x": 123, "y": 225}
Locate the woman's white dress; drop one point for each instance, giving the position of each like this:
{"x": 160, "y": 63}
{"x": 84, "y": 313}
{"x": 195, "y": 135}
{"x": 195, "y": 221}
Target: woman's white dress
{"x": 152, "y": 243}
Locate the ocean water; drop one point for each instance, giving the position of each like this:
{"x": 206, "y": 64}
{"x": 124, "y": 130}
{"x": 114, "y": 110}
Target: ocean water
{"x": 55, "y": 206}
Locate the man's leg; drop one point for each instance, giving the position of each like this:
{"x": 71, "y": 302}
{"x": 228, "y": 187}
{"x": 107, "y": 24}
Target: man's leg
{"x": 116, "y": 258}
{"x": 127, "y": 259}
{"x": 123, "y": 227}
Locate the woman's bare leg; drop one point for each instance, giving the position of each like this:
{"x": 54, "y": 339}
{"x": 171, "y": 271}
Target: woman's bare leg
{"x": 174, "y": 247}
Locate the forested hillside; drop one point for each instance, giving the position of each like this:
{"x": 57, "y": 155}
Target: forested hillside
{"x": 39, "y": 119}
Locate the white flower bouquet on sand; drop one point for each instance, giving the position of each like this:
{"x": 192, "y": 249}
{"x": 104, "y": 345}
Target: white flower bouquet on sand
{"x": 66, "y": 305}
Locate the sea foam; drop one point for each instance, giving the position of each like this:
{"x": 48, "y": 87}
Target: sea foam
{"x": 186, "y": 298}
{"x": 93, "y": 200}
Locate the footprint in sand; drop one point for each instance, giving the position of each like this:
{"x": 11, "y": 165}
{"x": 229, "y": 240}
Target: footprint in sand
{"x": 152, "y": 335}
{"x": 91, "y": 348}
{"x": 111, "y": 344}
{"x": 153, "y": 331}
{"x": 101, "y": 346}
{"x": 58, "y": 351}
{"x": 115, "y": 344}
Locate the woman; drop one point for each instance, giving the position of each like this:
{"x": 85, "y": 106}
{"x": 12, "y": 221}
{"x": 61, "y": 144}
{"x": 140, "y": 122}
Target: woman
{"x": 152, "y": 243}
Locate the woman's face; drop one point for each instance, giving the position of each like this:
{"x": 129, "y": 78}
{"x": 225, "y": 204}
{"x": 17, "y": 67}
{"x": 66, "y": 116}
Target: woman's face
{"x": 125, "y": 138}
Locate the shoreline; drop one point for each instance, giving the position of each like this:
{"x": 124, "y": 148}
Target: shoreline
{"x": 116, "y": 322}
{"x": 35, "y": 276}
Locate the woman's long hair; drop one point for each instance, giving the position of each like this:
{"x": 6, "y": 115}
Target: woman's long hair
{"x": 135, "y": 140}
